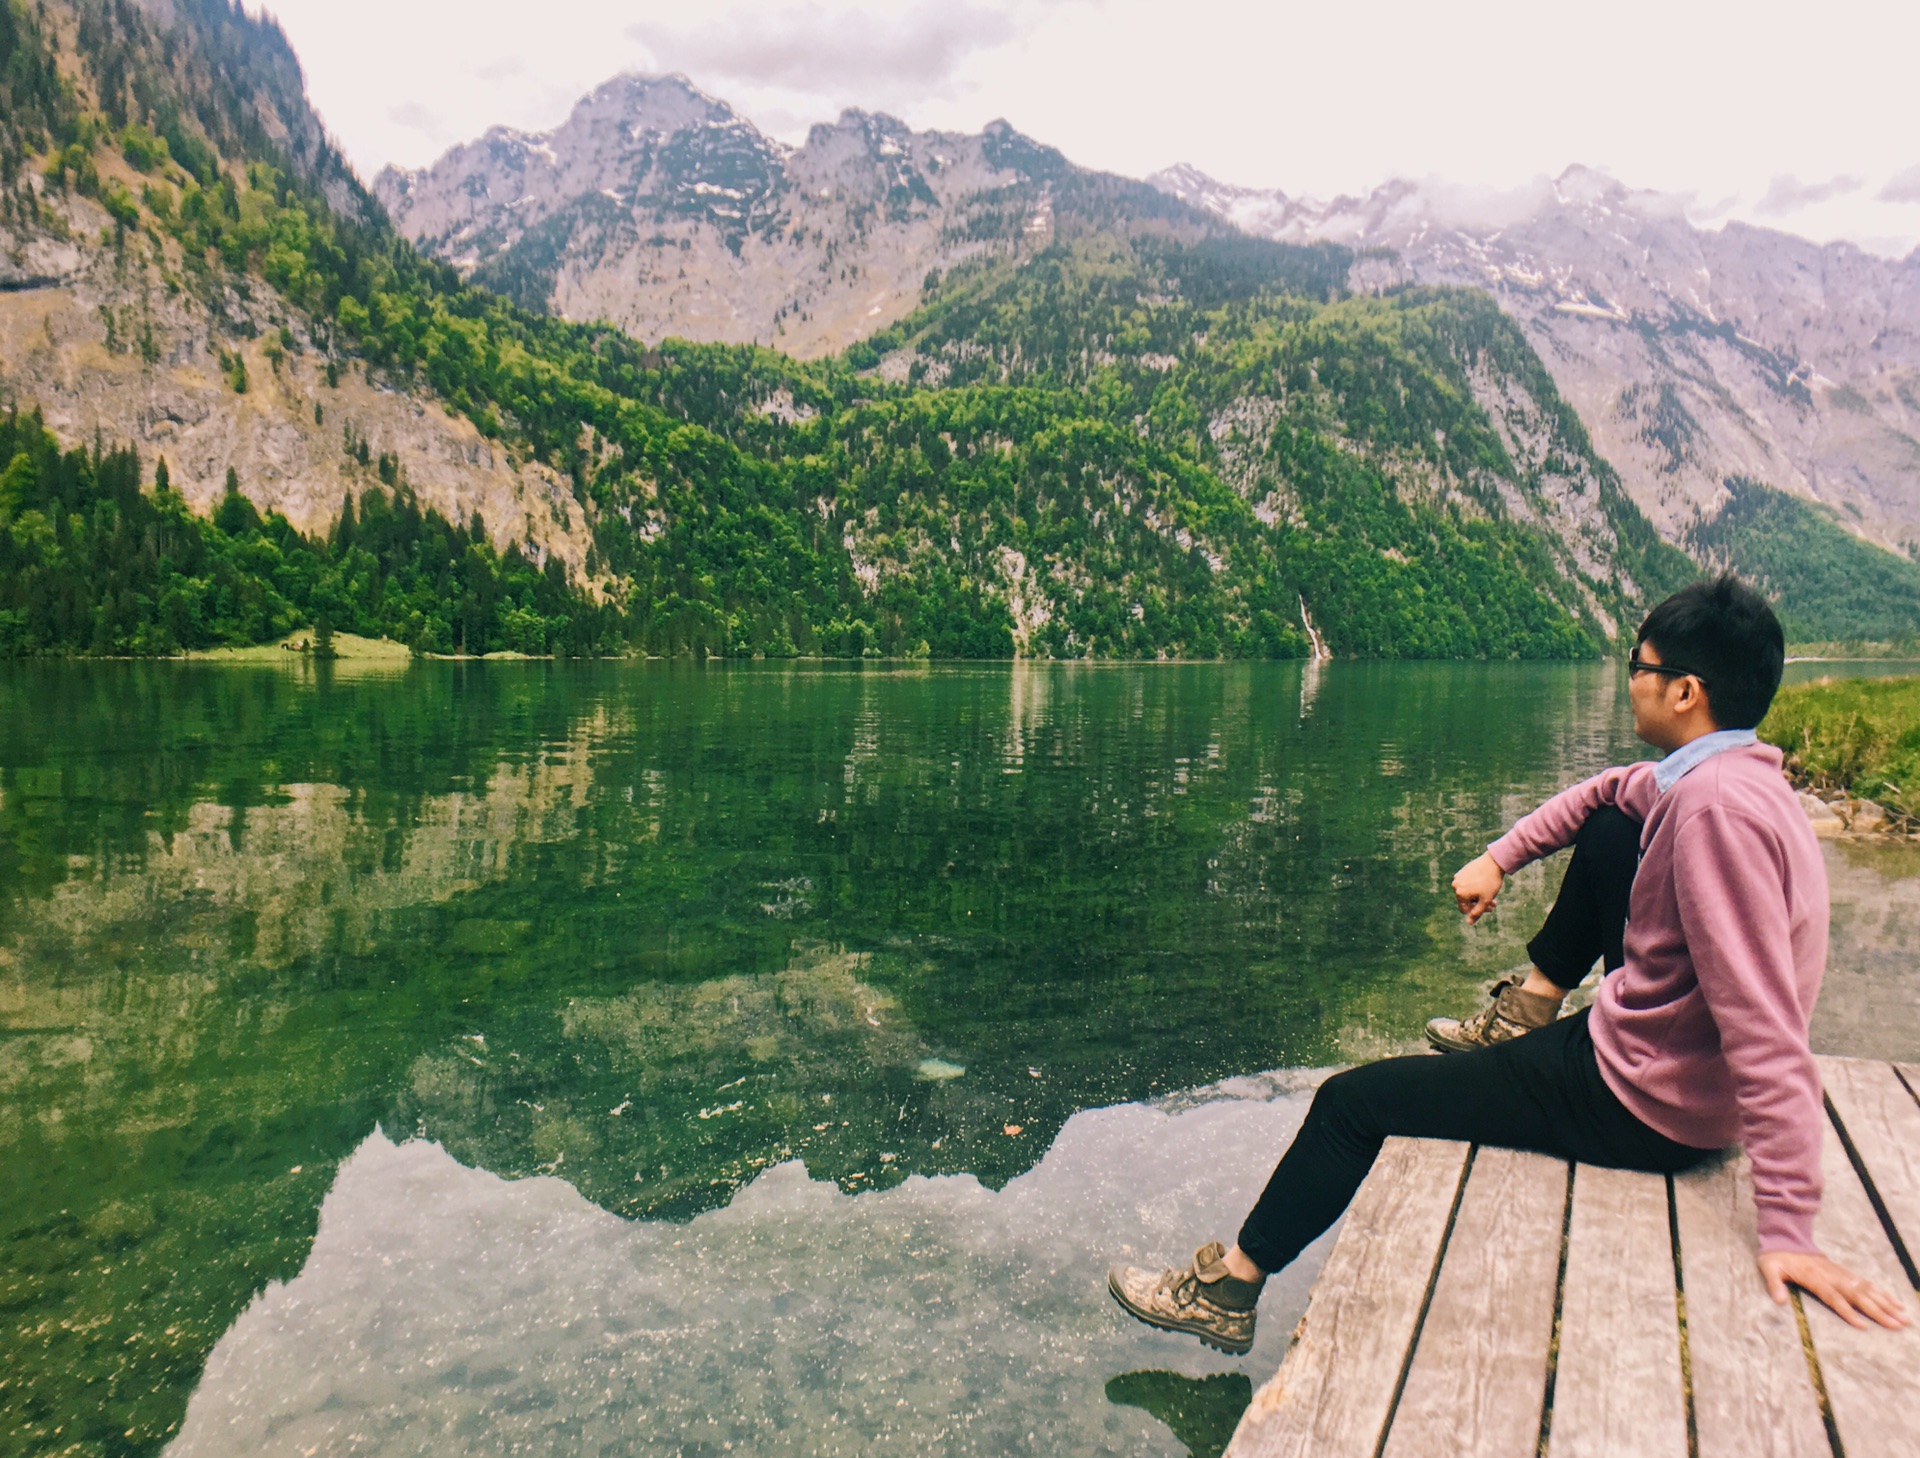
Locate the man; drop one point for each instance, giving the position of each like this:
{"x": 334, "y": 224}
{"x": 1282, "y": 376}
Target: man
{"x": 1697, "y": 1037}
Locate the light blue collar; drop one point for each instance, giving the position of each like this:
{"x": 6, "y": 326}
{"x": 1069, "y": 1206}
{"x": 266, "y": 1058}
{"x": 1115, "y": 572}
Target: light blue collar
{"x": 1668, "y": 772}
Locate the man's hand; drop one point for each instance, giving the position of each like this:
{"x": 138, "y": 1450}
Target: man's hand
{"x": 1475, "y": 885}
{"x": 1853, "y": 1298}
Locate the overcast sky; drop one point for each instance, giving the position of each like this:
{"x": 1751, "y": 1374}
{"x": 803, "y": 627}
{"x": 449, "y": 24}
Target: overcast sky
{"x": 1798, "y": 116}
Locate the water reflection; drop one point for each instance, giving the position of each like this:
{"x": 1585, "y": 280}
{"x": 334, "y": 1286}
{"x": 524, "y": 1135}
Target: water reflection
{"x": 443, "y": 1306}
{"x": 1201, "y": 1411}
{"x": 670, "y": 936}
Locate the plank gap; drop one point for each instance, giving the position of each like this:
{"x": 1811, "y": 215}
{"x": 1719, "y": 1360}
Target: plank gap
{"x": 1559, "y": 1305}
{"x": 1752, "y": 1390}
{"x": 1873, "y": 1193}
{"x": 1680, "y": 1310}
{"x": 1813, "y": 1371}
{"x": 1905, "y": 1082}
{"x": 1426, "y": 1301}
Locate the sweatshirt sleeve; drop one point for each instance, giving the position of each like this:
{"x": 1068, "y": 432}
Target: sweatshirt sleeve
{"x": 1729, "y": 878}
{"x": 1554, "y": 825}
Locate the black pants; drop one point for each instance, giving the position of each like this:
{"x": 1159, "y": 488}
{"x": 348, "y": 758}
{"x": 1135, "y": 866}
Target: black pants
{"x": 1589, "y": 917}
{"x": 1542, "y": 1092}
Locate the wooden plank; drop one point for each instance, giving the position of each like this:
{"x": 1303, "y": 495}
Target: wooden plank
{"x": 1753, "y": 1396}
{"x": 1334, "y": 1390}
{"x": 1618, "y": 1387}
{"x": 1883, "y": 1121}
{"x": 1872, "y": 1376}
{"x": 1479, "y": 1374}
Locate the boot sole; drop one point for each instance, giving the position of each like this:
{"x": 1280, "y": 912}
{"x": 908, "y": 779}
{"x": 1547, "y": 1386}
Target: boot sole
{"x": 1192, "y": 1329}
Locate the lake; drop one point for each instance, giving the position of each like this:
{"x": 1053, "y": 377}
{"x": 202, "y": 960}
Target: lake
{"x": 655, "y": 1059}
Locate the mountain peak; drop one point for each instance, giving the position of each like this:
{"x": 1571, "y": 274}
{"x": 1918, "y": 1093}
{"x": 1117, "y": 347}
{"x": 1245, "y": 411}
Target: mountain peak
{"x": 882, "y": 122}
{"x": 645, "y": 102}
{"x": 1188, "y": 183}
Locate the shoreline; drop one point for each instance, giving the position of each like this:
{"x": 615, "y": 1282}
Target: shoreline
{"x": 1834, "y": 813}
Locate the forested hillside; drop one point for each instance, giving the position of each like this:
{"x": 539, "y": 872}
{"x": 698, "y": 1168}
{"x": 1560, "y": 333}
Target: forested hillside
{"x": 1695, "y": 353}
{"x": 1400, "y": 465}
{"x": 95, "y": 559}
{"x": 1147, "y": 439}
{"x": 1829, "y": 585}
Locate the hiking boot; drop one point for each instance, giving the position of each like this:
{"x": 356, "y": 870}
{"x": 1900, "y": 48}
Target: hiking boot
{"x": 1512, "y": 1012}
{"x": 1202, "y": 1299}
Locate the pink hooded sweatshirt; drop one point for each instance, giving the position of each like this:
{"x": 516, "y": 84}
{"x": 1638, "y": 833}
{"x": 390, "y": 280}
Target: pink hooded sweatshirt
{"x": 1702, "y": 1034}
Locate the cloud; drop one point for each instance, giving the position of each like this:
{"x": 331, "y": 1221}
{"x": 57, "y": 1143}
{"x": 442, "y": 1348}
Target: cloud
{"x": 417, "y": 118}
{"x": 1902, "y": 187}
{"x": 1464, "y": 205}
{"x": 1791, "y": 195}
{"x": 1700, "y": 212}
{"x": 809, "y": 49}
{"x": 510, "y": 69}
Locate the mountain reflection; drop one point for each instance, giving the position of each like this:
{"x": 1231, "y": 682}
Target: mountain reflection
{"x": 442, "y": 1305}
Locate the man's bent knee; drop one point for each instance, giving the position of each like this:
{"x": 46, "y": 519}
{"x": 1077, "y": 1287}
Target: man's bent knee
{"x": 1609, "y": 831}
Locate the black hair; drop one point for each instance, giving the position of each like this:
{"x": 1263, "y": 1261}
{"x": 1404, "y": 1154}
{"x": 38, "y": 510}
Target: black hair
{"x": 1723, "y": 631}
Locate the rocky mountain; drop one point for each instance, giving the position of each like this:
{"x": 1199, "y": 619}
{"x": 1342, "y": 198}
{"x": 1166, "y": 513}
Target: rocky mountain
{"x": 661, "y": 209}
{"x": 1095, "y": 420}
{"x": 1694, "y": 356}
{"x": 1704, "y": 365}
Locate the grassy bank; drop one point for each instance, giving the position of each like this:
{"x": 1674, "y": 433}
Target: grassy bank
{"x": 1859, "y": 735}
{"x": 347, "y": 648}
{"x": 1855, "y": 650}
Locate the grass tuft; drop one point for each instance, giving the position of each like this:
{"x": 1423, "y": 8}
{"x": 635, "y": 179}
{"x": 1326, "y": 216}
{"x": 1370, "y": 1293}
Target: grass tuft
{"x": 1860, "y": 736}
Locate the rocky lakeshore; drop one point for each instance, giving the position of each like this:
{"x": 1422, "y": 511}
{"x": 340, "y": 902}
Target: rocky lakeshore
{"x": 1852, "y": 751}
{"x": 1837, "y": 816}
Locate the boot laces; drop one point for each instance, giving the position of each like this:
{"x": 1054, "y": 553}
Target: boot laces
{"x": 1182, "y": 1288}
{"x": 1481, "y": 1021}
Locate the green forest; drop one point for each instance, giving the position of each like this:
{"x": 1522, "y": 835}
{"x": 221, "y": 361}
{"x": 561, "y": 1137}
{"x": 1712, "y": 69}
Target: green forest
{"x": 1828, "y": 585}
{"x": 96, "y": 559}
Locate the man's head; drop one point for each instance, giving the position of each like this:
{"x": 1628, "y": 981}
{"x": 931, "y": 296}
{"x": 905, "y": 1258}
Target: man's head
{"x": 1711, "y": 655}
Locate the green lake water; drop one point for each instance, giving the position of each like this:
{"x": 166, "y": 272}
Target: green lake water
{"x": 650, "y": 1059}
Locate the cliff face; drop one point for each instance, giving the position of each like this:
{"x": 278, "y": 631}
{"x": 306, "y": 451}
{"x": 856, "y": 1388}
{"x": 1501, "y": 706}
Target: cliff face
{"x": 94, "y": 336}
{"x": 1692, "y": 355}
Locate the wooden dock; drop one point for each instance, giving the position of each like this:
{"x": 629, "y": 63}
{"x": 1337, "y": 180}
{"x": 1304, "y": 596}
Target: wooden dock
{"x": 1482, "y": 1301}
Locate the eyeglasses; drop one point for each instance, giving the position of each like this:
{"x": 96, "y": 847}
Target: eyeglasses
{"x": 1637, "y": 664}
